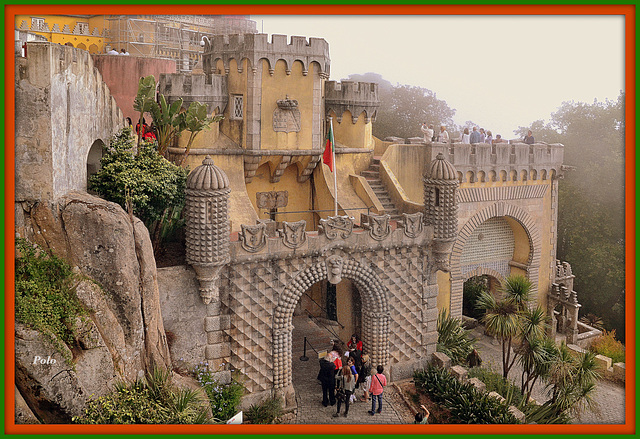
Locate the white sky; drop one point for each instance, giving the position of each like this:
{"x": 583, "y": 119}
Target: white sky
{"x": 499, "y": 71}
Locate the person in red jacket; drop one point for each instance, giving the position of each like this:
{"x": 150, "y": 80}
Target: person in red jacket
{"x": 378, "y": 381}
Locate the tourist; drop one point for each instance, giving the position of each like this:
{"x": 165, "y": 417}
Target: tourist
{"x": 483, "y": 134}
{"x": 124, "y": 52}
{"x": 354, "y": 343}
{"x": 475, "y": 136}
{"x": 336, "y": 355}
{"x": 474, "y": 359}
{"x": 466, "y": 137}
{"x": 328, "y": 381}
{"x": 351, "y": 362}
{"x": 427, "y": 130}
{"x": 489, "y": 138}
{"x": 378, "y": 381}
{"x": 112, "y": 52}
{"x": 345, "y": 383}
{"x": 528, "y": 139}
{"x": 499, "y": 139}
{"x": 422, "y": 417}
{"x": 365, "y": 377}
{"x": 443, "y": 136}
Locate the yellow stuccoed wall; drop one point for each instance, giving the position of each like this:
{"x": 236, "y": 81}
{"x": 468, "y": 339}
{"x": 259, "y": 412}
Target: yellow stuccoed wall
{"x": 352, "y": 135}
{"x": 444, "y": 290}
{"x": 237, "y": 85}
{"x": 278, "y": 87}
{"x": 94, "y": 44}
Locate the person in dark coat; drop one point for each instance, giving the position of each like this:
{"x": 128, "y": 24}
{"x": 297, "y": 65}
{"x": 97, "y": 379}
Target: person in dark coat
{"x": 328, "y": 380}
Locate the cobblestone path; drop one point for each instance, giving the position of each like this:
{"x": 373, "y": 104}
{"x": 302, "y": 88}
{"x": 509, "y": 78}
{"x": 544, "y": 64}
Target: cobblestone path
{"x": 309, "y": 391}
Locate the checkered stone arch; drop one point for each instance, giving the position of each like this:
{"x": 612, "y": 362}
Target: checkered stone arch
{"x": 375, "y": 321}
{"x": 499, "y": 209}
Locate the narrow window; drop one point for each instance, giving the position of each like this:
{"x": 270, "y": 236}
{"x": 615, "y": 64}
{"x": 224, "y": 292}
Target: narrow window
{"x": 237, "y": 108}
{"x": 437, "y": 197}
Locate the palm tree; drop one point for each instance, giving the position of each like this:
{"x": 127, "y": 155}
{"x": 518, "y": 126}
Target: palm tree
{"x": 573, "y": 380}
{"x": 502, "y": 317}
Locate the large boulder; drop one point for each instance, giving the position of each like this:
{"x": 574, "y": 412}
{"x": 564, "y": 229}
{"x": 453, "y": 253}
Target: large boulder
{"x": 124, "y": 336}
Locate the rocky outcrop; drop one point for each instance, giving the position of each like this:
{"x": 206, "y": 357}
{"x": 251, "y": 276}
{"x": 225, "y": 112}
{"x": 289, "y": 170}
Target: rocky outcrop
{"x": 124, "y": 334}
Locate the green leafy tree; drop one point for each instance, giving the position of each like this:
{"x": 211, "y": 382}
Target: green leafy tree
{"x": 146, "y": 184}
{"x": 404, "y": 108}
{"x": 168, "y": 122}
{"x": 145, "y": 98}
{"x": 195, "y": 120}
{"x": 453, "y": 339}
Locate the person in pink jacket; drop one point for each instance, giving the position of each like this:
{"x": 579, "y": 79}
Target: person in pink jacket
{"x": 378, "y": 381}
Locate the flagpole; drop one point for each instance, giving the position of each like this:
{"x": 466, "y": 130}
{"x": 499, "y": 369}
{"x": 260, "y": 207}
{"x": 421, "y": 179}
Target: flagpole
{"x": 335, "y": 169}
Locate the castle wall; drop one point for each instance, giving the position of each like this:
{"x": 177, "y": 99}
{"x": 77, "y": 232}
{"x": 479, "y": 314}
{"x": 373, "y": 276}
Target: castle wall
{"x": 122, "y": 73}
{"x": 69, "y": 108}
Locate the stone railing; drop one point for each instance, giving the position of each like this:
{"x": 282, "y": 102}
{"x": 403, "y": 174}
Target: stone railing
{"x": 610, "y": 371}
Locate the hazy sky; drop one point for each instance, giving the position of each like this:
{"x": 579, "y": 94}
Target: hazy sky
{"x": 498, "y": 71}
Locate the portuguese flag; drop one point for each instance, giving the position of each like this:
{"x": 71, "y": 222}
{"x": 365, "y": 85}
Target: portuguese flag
{"x": 327, "y": 157}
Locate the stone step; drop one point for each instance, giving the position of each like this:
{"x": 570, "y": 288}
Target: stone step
{"x": 370, "y": 174}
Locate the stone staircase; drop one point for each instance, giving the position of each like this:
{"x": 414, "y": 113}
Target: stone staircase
{"x": 372, "y": 175}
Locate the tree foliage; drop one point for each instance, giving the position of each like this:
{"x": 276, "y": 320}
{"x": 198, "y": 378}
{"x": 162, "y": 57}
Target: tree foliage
{"x": 591, "y": 207}
{"x": 145, "y": 184}
{"x": 404, "y": 108}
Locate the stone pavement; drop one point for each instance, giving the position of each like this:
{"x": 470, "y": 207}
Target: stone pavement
{"x": 608, "y": 396}
{"x": 309, "y": 392}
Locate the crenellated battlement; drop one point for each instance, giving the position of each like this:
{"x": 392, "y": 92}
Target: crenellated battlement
{"x": 355, "y": 97}
{"x": 504, "y": 161}
{"x": 211, "y": 91}
{"x": 255, "y": 47}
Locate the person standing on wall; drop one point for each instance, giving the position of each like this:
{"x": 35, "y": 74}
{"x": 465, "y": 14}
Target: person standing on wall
{"x": 427, "y": 130}
{"x": 443, "y": 136}
{"x": 528, "y": 139}
{"x": 475, "y": 136}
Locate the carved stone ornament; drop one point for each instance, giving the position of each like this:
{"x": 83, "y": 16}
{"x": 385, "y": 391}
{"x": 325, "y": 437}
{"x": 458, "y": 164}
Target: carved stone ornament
{"x": 412, "y": 224}
{"x": 379, "y": 227}
{"x": 272, "y": 200}
{"x": 293, "y": 234}
{"x": 335, "y": 226}
{"x": 253, "y": 238}
{"x": 334, "y": 269}
{"x": 286, "y": 117}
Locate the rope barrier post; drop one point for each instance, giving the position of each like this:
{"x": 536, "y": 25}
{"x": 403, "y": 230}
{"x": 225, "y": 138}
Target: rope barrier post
{"x": 304, "y": 354}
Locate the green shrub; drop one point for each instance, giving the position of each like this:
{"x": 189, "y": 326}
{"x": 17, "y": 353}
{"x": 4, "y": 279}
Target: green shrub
{"x": 466, "y": 403}
{"x": 148, "y": 184}
{"x": 152, "y": 400}
{"x": 608, "y": 346}
{"x": 223, "y": 398}
{"x": 471, "y": 291}
{"x": 267, "y": 412}
{"x": 453, "y": 340}
{"x": 496, "y": 383}
{"x": 45, "y": 297}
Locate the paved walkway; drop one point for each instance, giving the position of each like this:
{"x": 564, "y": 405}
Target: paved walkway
{"x": 309, "y": 392}
{"x": 608, "y": 396}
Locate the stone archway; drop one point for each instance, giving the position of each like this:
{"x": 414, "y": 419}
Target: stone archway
{"x": 375, "y": 321}
{"x": 499, "y": 209}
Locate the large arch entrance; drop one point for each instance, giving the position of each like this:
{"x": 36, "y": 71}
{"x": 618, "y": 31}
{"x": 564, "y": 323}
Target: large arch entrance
{"x": 500, "y": 240}
{"x": 374, "y": 315}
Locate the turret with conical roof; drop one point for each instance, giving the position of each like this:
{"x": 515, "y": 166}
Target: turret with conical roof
{"x": 207, "y": 225}
{"x": 441, "y": 208}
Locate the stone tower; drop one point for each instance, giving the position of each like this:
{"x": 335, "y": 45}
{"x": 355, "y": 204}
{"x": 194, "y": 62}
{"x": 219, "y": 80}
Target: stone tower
{"x": 441, "y": 208}
{"x": 207, "y": 225}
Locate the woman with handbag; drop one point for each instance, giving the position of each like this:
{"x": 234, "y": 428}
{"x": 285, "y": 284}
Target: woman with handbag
{"x": 345, "y": 385}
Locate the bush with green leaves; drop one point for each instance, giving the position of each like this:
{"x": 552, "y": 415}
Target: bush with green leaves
{"x": 453, "y": 340}
{"x": 223, "y": 398}
{"x": 471, "y": 291}
{"x": 146, "y": 183}
{"x": 467, "y": 404}
{"x": 607, "y": 345}
{"x": 152, "y": 400}
{"x": 267, "y": 412}
{"x": 45, "y": 297}
{"x": 494, "y": 382}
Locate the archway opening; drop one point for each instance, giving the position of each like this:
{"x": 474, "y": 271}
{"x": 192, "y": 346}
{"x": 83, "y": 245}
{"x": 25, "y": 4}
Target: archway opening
{"x": 472, "y": 289}
{"x": 93, "y": 160}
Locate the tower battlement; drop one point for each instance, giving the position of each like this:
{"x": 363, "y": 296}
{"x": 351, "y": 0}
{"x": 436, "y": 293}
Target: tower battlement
{"x": 256, "y": 47}
{"x": 355, "y": 97}
{"x": 211, "y": 91}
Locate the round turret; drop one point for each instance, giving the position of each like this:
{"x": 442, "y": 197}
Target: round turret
{"x": 441, "y": 169}
{"x": 207, "y": 225}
